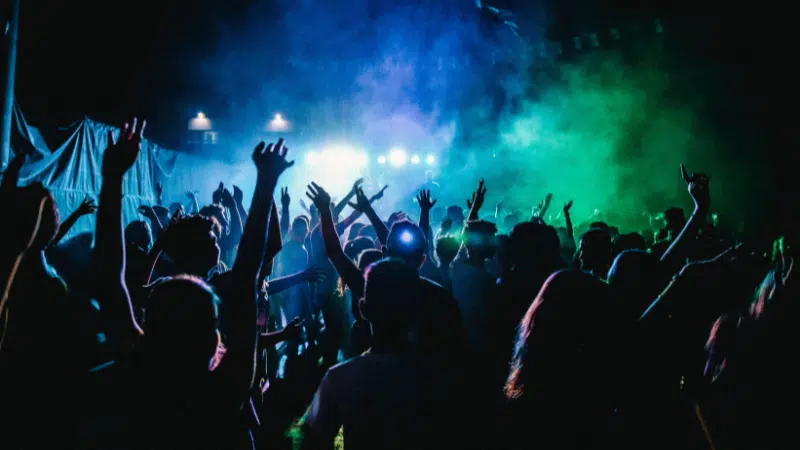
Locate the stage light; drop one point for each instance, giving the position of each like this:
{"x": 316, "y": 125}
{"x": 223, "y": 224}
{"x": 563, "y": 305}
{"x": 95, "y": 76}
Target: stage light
{"x": 278, "y": 123}
{"x": 397, "y": 157}
{"x": 381, "y": 159}
{"x": 414, "y": 159}
{"x": 430, "y": 160}
{"x": 406, "y": 237}
{"x": 311, "y": 157}
{"x": 200, "y": 123}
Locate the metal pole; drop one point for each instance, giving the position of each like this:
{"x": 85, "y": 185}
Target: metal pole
{"x": 8, "y": 86}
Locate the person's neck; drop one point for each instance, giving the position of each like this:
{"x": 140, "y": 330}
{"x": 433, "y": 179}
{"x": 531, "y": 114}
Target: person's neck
{"x": 388, "y": 342}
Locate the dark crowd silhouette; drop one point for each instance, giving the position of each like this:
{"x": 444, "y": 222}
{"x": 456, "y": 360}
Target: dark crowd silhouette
{"x": 222, "y": 327}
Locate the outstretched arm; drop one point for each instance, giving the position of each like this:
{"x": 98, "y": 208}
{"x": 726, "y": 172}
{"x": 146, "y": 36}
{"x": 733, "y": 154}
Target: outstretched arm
{"x": 86, "y": 207}
{"x": 350, "y": 274}
{"x": 337, "y": 211}
{"x": 239, "y": 362}
{"x": 675, "y": 256}
{"x": 364, "y": 205}
{"x": 109, "y": 254}
{"x": 425, "y": 205}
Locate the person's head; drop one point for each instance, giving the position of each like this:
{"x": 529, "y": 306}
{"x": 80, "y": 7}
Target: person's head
{"x": 594, "y": 251}
{"x": 534, "y": 245}
{"x": 446, "y": 250}
{"x": 299, "y": 229}
{"x": 354, "y": 230}
{"x": 510, "y": 221}
{"x": 181, "y": 323}
{"x": 139, "y": 234}
{"x": 598, "y": 226}
{"x": 368, "y": 257}
{"x": 390, "y": 298}
{"x": 629, "y": 241}
{"x": 564, "y": 331}
{"x": 217, "y": 212}
{"x": 28, "y": 201}
{"x": 479, "y": 238}
{"x": 368, "y": 231}
{"x": 191, "y": 243}
{"x": 636, "y": 277}
{"x": 675, "y": 219}
{"x": 407, "y": 242}
{"x": 352, "y": 249}
{"x": 456, "y": 214}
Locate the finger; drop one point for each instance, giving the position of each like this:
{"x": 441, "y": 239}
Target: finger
{"x": 284, "y": 151}
{"x": 684, "y": 173}
{"x": 123, "y": 132}
{"x": 308, "y": 194}
{"x": 259, "y": 148}
{"x": 316, "y": 186}
{"x": 132, "y": 129}
{"x": 434, "y": 202}
{"x": 352, "y": 205}
{"x": 290, "y": 163}
{"x": 140, "y": 133}
{"x": 279, "y": 145}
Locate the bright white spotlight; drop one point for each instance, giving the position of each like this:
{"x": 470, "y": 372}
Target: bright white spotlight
{"x": 414, "y": 159}
{"x": 397, "y": 157}
{"x": 200, "y": 123}
{"x": 406, "y": 237}
{"x": 278, "y": 123}
{"x": 311, "y": 157}
{"x": 381, "y": 159}
{"x": 431, "y": 160}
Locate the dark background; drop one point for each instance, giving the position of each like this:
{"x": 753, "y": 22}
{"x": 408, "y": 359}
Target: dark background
{"x": 110, "y": 59}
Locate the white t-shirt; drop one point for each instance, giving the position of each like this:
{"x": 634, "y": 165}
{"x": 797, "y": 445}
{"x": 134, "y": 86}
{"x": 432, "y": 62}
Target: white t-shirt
{"x": 380, "y": 399}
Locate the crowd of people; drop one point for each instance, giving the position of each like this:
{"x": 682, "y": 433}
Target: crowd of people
{"x": 222, "y": 327}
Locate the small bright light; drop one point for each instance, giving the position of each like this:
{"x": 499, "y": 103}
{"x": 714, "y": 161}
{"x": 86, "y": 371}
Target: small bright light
{"x": 381, "y": 159}
{"x": 430, "y": 160}
{"x": 278, "y": 123}
{"x": 311, "y": 157}
{"x": 398, "y": 157}
{"x": 200, "y": 123}
{"x": 406, "y": 237}
{"x": 414, "y": 159}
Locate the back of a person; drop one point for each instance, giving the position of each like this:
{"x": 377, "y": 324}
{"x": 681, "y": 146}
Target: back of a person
{"x": 380, "y": 399}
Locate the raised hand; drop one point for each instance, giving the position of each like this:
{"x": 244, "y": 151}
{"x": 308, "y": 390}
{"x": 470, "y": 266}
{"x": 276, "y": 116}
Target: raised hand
{"x": 227, "y": 199}
{"x": 379, "y": 195}
{"x": 697, "y": 184}
{"x": 270, "y": 159}
{"x": 425, "y": 201}
{"x": 87, "y": 206}
{"x": 192, "y": 195}
{"x": 238, "y": 195}
{"x": 358, "y": 184}
{"x": 477, "y": 197}
{"x": 395, "y": 217}
{"x": 321, "y": 199}
{"x": 567, "y": 207}
{"x": 119, "y": 156}
{"x": 285, "y": 198}
{"x": 362, "y": 202}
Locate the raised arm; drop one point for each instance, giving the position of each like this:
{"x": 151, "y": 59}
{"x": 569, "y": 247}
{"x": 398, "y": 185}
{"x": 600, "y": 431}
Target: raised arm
{"x": 350, "y": 274}
{"x": 337, "y": 211}
{"x": 239, "y": 362}
{"x": 675, "y": 256}
{"x": 475, "y": 204}
{"x": 286, "y": 200}
{"x": 568, "y": 220}
{"x": 109, "y": 253}
{"x": 425, "y": 205}
{"x": 364, "y": 205}
{"x": 238, "y": 198}
{"x": 86, "y": 207}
